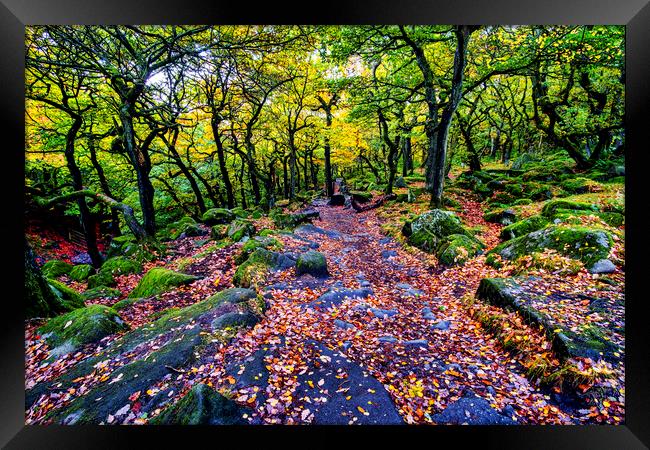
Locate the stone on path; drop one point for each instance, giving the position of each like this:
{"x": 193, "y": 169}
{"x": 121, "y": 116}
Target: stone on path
{"x": 472, "y": 410}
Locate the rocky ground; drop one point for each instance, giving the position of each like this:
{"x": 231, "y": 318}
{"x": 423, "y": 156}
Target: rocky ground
{"x": 387, "y": 335}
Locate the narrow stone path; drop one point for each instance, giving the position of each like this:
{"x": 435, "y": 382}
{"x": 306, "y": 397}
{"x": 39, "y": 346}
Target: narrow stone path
{"x": 396, "y": 327}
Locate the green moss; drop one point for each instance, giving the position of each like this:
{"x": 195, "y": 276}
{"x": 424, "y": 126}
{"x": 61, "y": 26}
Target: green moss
{"x": 428, "y": 229}
{"x": 82, "y": 326}
{"x": 254, "y": 269}
{"x": 266, "y": 232}
{"x": 504, "y": 216}
{"x": 101, "y": 292}
{"x": 201, "y": 405}
{"x": 523, "y": 227}
{"x": 493, "y": 261}
{"x": 522, "y": 201}
{"x": 312, "y": 263}
{"x": 457, "y": 249}
{"x": 585, "y": 244}
{"x": 67, "y": 296}
{"x": 253, "y": 244}
{"x": 219, "y": 232}
{"x": 81, "y": 272}
{"x": 103, "y": 278}
{"x": 551, "y": 207}
{"x": 216, "y": 216}
{"x": 56, "y": 268}
{"x": 159, "y": 280}
{"x": 240, "y": 228}
{"x": 120, "y": 265}
{"x": 361, "y": 196}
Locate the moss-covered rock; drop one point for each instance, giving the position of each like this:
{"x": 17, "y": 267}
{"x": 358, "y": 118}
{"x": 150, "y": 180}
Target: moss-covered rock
{"x": 254, "y": 270}
{"x": 428, "y": 229}
{"x": 55, "y": 268}
{"x": 239, "y": 229}
{"x": 82, "y": 326}
{"x": 523, "y": 227}
{"x": 457, "y": 249}
{"x": 361, "y": 196}
{"x": 501, "y": 215}
{"x": 253, "y": 244}
{"x": 312, "y": 263}
{"x": 121, "y": 265}
{"x": 179, "y": 331}
{"x": 100, "y": 292}
{"x": 218, "y": 232}
{"x": 185, "y": 227}
{"x": 159, "y": 280}
{"x": 202, "y": 405}
{"x": 514, "y": 293}
{"x": 585, "y": 244}
{"x": 81, "y": 272}
{"x": 67, "y": 296}
{"x": 102, "y": 278}
{"x": 216, "y": 216}
{"x": 551, "y": 207}
{"x": 290, "y": 221}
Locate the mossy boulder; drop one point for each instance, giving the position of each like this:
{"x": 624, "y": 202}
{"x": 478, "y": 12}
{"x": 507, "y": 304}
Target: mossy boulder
{"x": 67, "y": 296}
{"x": 218, "y": 232}
{"x": 100, "y": 292}
{"x": 521, "y": 295}
{"x": 120, "y": 265}
{"x": 588, "y": 245}
{"x": 183, "y": 228}
{"x": 253, "y": 244}
{"x": 255, "y": 269}
{"x": 239, "y": 229}
{"x": 551, "y": 207}
{"x": 216, "y": 216}
{"x": 361, "y": 196}
{"x": 312, "y": 263}
{"x": 81, "y": 272}
{"x": 55, "y": 268}
{"x": 427, "y": 230}
{"x": 180, "y": 331}
{"x": 457, "y": 249}
{"x": 501, "y": 215}
{"x": 578, "y": 185}
{"x": 523, "y": 227}
{"x": 201, "y": 405}
{"x": 159, "y": 280}
{"x": 82, "y": 326}
{"x": 102, "y": 278}
{"x": 292, "y": 220}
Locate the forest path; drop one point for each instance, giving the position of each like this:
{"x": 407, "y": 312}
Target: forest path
{"x": 412, "y": 334}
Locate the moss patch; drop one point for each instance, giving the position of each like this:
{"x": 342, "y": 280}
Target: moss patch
{"x": 201, "y": 405}
{"x": 101, "y": 292}
{"x": 81, "y": 272}
{"x": 586, "y": 244}
{"x": 56, "y": 268}
{"x": 82, "y": 326}
{"x": 312, "y": 263}
{"x": 240, "y": 228}
{"x": 121, "y": 265}
{"x": 457, "y": 249}
{"x": 159, "y": 280}
{"x": 68, "y": 297}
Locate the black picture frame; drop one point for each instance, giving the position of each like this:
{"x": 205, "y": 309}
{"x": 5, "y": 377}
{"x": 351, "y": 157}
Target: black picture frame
{"x": 15, "y": 14}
